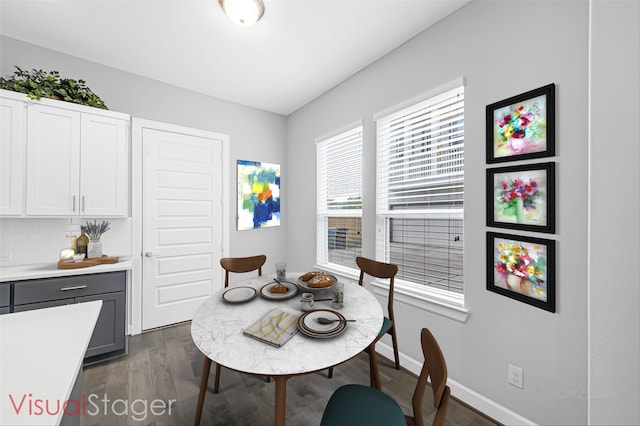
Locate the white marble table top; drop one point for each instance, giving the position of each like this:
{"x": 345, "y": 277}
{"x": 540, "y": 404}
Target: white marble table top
{"x": 217, "y": 329}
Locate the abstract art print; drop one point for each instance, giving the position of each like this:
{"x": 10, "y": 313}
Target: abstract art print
{"x": 522, "y": 126}
{"x": 522, "y": 268}
{"x": 258, "y": 195}
{"x": 522, "y": 197}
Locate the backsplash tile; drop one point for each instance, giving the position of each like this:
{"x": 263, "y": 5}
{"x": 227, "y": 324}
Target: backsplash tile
{"x": 25, "y": 241}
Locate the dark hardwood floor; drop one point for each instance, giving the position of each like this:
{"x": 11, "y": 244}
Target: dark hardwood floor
{"x": 157, "y": 384}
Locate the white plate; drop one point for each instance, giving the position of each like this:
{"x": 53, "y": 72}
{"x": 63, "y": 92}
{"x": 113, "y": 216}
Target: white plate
{"x": 265, "y": 291}
{"x": 333, "y": 330}
{"x": 322, "y": 335}
{"x": 239, "y": 294}
{"x": 304, "y": 285}
{"x": 309, "y": 321}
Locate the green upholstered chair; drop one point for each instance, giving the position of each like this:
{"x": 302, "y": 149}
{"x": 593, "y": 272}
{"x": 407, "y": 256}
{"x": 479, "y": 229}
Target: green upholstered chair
{"x": 362, "y": 405}
{"x": 352, "y": 405}
{"x": 385, "y": 271}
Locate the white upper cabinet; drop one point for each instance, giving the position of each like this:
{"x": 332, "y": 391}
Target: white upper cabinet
{"x": 77, "y": 163}
{"x": 53, "y": 161}
{"x": 12, "y": 156}
{"x": 63, "y": 159}
{"x": 104, "y": 166}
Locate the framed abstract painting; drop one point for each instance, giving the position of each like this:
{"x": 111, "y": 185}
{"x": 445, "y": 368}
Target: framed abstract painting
{"x": 522, "y": 268}
{"x": 522, "y": 127}
{"x": 522, "y": 197}
{"x": 258, "y": 195}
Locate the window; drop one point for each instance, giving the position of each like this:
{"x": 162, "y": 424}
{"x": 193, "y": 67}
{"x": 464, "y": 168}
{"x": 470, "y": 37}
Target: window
{"x": 420, "y": 194}
{"x": 339, "y": 204}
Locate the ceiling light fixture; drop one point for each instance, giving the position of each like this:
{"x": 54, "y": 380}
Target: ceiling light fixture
{"x": 243, "y": 12}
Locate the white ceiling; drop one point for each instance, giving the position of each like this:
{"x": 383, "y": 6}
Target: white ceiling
{"x": 297, "y": 51}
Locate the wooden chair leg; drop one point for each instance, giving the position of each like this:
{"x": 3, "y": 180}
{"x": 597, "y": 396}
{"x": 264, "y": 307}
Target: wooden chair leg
{"x": 395, "y": 346}
{"x": 204, "y": 380}
{"x": 216, "y": 388}
{"x": 373, "y": 368}
{"x": 330, "y": 373}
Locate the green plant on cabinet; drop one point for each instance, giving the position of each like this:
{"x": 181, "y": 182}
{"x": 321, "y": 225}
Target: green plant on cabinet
{"x": 38, "y": 83}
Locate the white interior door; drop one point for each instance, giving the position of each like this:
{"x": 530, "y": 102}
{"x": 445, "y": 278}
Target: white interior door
{"x": 182, "y": 224}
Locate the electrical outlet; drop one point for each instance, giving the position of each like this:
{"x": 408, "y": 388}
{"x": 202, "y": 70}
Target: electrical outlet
{"x": 515, "y": 376}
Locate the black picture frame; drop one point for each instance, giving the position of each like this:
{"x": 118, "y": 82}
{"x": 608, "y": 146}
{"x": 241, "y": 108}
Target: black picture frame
{"x": 535, "y": 262}
{"x": 522, "y": 126}
{"x": 522, "y": 197}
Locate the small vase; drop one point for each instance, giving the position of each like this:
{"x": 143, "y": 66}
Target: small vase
{"x": 94, "y": 249}
{"x": 514, "y": 282}
{"x": 519, "y": 210}
{"x": 520, "y": 285}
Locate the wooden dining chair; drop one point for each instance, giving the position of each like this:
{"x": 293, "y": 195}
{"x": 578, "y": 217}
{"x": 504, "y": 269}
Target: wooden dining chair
{"x": 240, "y": 265}
{"x": 235, "y": 265}
{"x": 362, "y": 405}
{"x": 385, "y": 271}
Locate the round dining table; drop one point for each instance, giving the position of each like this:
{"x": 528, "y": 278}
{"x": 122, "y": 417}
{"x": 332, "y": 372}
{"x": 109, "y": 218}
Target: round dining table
{"x": 218, "y": 324}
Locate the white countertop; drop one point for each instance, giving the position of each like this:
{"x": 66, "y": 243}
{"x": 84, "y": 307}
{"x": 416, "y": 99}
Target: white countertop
{"x": 48, "y": 270}
{"x": 40, "y": 358}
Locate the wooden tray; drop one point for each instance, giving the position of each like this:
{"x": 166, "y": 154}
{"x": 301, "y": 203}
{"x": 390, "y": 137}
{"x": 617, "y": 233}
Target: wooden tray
{"x": 87, "y": 262}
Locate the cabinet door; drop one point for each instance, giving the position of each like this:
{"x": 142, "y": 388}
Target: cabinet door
{"x": 109, "y": 333}
{"x": 104, "y": 177}
{"x": 53, "y": 158}
{"x": 12, "y": 156}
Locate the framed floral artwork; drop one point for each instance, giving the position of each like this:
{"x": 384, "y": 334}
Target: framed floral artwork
{"x": 522, "y": 197}
{"x": 522, "y": 126}
{"x": 522, "y": 268}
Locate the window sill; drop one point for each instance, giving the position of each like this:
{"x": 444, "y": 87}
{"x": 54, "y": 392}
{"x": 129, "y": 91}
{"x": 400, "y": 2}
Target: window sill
{"x": 426, "y": 299}
{"x": 429, "y": 300}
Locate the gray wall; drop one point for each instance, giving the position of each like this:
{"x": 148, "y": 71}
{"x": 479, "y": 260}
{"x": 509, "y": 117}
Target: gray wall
{"x": 502, "y": 48}
{"x": 614, "y": 290}
{"x": 254, "y": 134}
{"x": 594, "y": 335}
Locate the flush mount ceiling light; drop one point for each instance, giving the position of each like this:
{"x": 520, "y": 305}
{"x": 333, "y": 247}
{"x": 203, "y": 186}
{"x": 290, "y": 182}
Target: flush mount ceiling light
{"x": 243, "y": 12}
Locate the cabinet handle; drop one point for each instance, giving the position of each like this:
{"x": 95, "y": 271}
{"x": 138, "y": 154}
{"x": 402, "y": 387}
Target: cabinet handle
{"x": 83, "y": 204}
{"x": 75, "y": 287}
{"x": 74, "y": 203}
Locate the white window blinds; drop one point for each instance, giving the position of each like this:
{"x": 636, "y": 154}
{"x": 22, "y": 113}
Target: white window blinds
{"x": 420, "y": 190}
{"x": 339, "y": 202}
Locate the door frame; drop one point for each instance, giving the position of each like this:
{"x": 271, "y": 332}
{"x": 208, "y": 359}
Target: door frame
{"x": 134, "y": 302}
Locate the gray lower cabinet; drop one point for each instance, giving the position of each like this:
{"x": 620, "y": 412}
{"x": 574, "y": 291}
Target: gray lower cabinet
{"x": 109, "y": 334}
{"x": 108, "y": 339}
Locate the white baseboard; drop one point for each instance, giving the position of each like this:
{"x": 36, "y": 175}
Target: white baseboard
{"x": 470, "y": 397}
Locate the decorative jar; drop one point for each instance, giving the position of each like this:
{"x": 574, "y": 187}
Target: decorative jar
{"x": 94, "y": 248}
